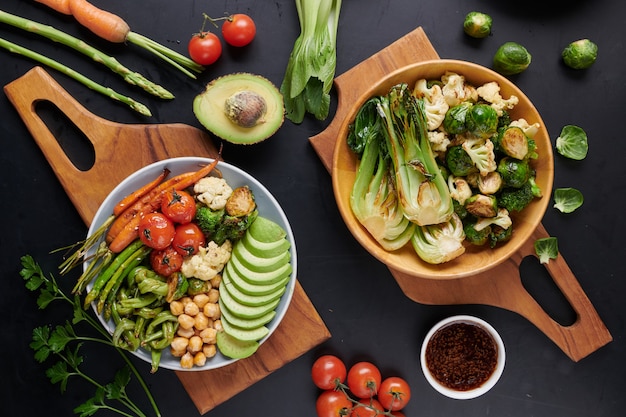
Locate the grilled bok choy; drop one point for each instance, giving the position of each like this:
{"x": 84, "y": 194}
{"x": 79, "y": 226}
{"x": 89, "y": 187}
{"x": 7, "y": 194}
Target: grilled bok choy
{"x": 373, "y": 199}
{"x": 311, "y": 67}
{"x": 399, "y": 194}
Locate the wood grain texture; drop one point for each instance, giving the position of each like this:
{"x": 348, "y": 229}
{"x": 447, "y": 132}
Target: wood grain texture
{"x": 500, "y": 286}
{"x": 120, "y": 150}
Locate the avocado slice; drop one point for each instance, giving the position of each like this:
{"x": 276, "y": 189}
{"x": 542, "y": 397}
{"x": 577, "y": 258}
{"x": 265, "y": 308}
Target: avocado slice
{"x": 233, "y": 348}
{"x": 266, "y": 231}
{"x": 257, "y": 263}
{"x": 241, "y": 108}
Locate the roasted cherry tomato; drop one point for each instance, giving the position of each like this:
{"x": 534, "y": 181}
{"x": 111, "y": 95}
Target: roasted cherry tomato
{"x": 239, "y": 30}
{"x": 187, "y": 239}
{"x": 371, "y": 408}
{"x": 165, "y": 261}
{"x": 332, "y": 403}
{"x": 156, "y": 230}
{"x": 364, "y": 379}
{"x": 205, "y": 48}
{"x": 394, "y": 393}
{"x": 328, "y": 371}
{"x": 179, "y": 206}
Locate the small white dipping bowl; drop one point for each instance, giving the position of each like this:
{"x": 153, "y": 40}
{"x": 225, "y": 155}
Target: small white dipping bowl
{"x": 480, "y": 388}
{"x": 268, "y": 207}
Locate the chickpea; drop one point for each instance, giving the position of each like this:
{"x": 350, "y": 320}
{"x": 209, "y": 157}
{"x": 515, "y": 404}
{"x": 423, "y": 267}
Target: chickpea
{"x": 178, "y": 346}
{"x": 209, "y": 335}
{"x": 176, "y": 308}
{"x": 185, "y": 321}
{"x": 214, "y": 295}
{"x": 209, "y": 350}
{"x": 195, "y": 344}
{"x": 216, "y": 280}
{"x": 201, "y": 299}
{"x": 217, "y": 325}
{"x": 212, "y": 310}
{"x": 186, "y": 362}
{"x": 191, "y": 309}
{"x": 186, "y": 333}
{"x": 201, "y": 321}
{"x": 199, "y": 359}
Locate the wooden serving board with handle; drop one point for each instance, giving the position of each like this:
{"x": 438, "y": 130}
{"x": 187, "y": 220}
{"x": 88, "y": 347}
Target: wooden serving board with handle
{"x": 120, "y": 150}
{"x": 501, "y": 286}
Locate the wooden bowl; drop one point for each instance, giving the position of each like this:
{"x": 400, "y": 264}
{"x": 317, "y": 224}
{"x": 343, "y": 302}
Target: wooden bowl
{"x": 475, "y": 259}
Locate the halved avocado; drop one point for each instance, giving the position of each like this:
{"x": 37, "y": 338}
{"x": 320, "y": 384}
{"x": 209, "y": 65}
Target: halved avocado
{"x": 241, "y": 108}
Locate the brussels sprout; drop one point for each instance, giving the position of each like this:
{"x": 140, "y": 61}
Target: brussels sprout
{"x": 580, "y": 54}
{"x": 512, "y": 141}
{"x": 482, "y": 205}
{"x": 511, "y": 58}
{"x": 499, "y": 235}
{"x": 482, "y": 120}
{"x": 477, "y": 24}
{"x": 566, "y": 200}
{"x": 572, "y": 143}
{"x": 454, "y": 121}
{"x": 476, "y": 237}
{"x": 458, "y": 161}
{"x": 515, "y": 173}
{"x": 546, "y": 248}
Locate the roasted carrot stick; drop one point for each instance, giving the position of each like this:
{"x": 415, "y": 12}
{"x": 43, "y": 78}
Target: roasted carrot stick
{"x": 61, "y": 6}
{"x": 133, "y": 197}
{"x": 125, "y": 228}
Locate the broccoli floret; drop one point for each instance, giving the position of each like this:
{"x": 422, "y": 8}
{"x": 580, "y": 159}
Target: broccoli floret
{"x": 233, "y": 227}
{"x": 208, "y": 220}
{"x": 516, "y": 199}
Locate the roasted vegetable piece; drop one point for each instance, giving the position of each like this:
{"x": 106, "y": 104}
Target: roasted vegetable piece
{"x": 439, "y": 243}
{"x": 580, "y": 54}
{"x": 454, "y": 121}
{"x": 516, "y": 199}
{"x": 511, "y": 58}
{"x": 481, "y": 205}
{"x": 512, "y": 141}
{"x": 481, "y": 120}
{"x": 373, "y": 199}
{"x": 459, "y": 162}
{"x": 476, "y": 237}
{"x": 514, "y": 172}
{"x": 477, "y": 24}
{"x": 422, "y": 190}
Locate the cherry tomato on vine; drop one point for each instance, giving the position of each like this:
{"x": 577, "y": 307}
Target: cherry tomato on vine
{"x": 327, "y": 371}
{"x": 364, "y": 379}
{"x": 156, "y": 230}
{"x": 332, "y": 403}
{"x": 187, "y": 239}
{"x": 238, "y": 30}
{"x": 205, "y": 48}
{"x": 179, "y": 206}
{"x": 394, "y": 393}
{"x": 372, "y": 408}
{"x": 165, "y": 261}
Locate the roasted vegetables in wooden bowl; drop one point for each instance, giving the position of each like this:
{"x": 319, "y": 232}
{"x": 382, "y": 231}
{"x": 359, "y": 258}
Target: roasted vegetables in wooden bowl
{"x": 442, "y": 169}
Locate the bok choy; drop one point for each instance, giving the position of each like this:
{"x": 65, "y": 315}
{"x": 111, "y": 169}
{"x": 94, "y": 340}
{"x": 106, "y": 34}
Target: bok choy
{"x": 311, "y": 67}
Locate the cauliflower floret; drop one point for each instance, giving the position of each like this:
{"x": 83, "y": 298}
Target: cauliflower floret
{"x": 502, "y": 219}
{"x": 208, "y": 262}
{"x": 439, "y": 141}
{"x": 490, "y": 92}
{"x": 460, "y": 190}
{"x": 529, "y": 130}
{"x": 481, "y": 153}
{"x": 213, "y": 192}
{"x": 456, "y": 91}
{"x": 435, "y": 103}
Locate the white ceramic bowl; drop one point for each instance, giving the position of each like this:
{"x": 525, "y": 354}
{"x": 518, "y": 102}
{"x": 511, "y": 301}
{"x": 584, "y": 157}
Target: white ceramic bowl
{"x": 268, "y": 207}
{"x": 480, "y": 389}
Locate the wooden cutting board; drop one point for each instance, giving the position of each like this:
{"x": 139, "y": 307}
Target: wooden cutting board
{"x": 501, "y": 286}
{"x": 121, "y": 149}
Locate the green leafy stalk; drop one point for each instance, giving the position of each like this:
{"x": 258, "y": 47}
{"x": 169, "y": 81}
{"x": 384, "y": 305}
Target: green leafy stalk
{"x": 422, "y": 190}
{"x": 179, "y": 61}
{"x": 109, "y": 92}
{"x": 65, "y": 343}
{"x": 110, "y": 62}
{"x": 311, "y": 67}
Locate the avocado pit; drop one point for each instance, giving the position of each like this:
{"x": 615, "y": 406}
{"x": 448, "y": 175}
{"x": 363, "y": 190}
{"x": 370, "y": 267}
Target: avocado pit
{"x": 245, "y": 108}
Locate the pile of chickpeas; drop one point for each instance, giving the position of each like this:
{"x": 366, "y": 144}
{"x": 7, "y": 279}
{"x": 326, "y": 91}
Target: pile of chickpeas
{"x": 198, "y": 324}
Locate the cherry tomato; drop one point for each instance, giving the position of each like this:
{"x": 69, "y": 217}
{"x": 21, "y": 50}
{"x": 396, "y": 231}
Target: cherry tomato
{"x": 364, "y": 379}
{"x": 394, "y": 393}
{"x": 165, "y": 261}
{"x": 179, "y": 206}
{"x": 332, "y": 403}
{"x": 205, "y": 48}
{"x": 372, "y": 408}
{"x": 187, "y": 239}
{"x": 156, "y": 230}
{"x": 328, "y": 371}
{"x": 239, "y": 30}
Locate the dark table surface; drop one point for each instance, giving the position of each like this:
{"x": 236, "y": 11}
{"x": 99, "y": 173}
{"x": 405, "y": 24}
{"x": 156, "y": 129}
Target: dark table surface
{"x": 363, "y": 307}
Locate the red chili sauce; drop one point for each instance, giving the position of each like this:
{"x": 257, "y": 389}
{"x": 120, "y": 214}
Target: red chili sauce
{"x": 461, "y": 356}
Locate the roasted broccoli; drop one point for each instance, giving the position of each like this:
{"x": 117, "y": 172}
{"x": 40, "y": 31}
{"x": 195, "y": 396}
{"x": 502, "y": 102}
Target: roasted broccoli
{"x": 516, "y": 199}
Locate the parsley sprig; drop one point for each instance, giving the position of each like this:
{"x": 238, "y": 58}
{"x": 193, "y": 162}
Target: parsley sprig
{"x": 64, "y": 343}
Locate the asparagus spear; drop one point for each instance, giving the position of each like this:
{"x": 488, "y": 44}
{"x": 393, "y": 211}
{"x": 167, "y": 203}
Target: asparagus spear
{"x": 56, "y": 35}
{"x": 109, "y": 92}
